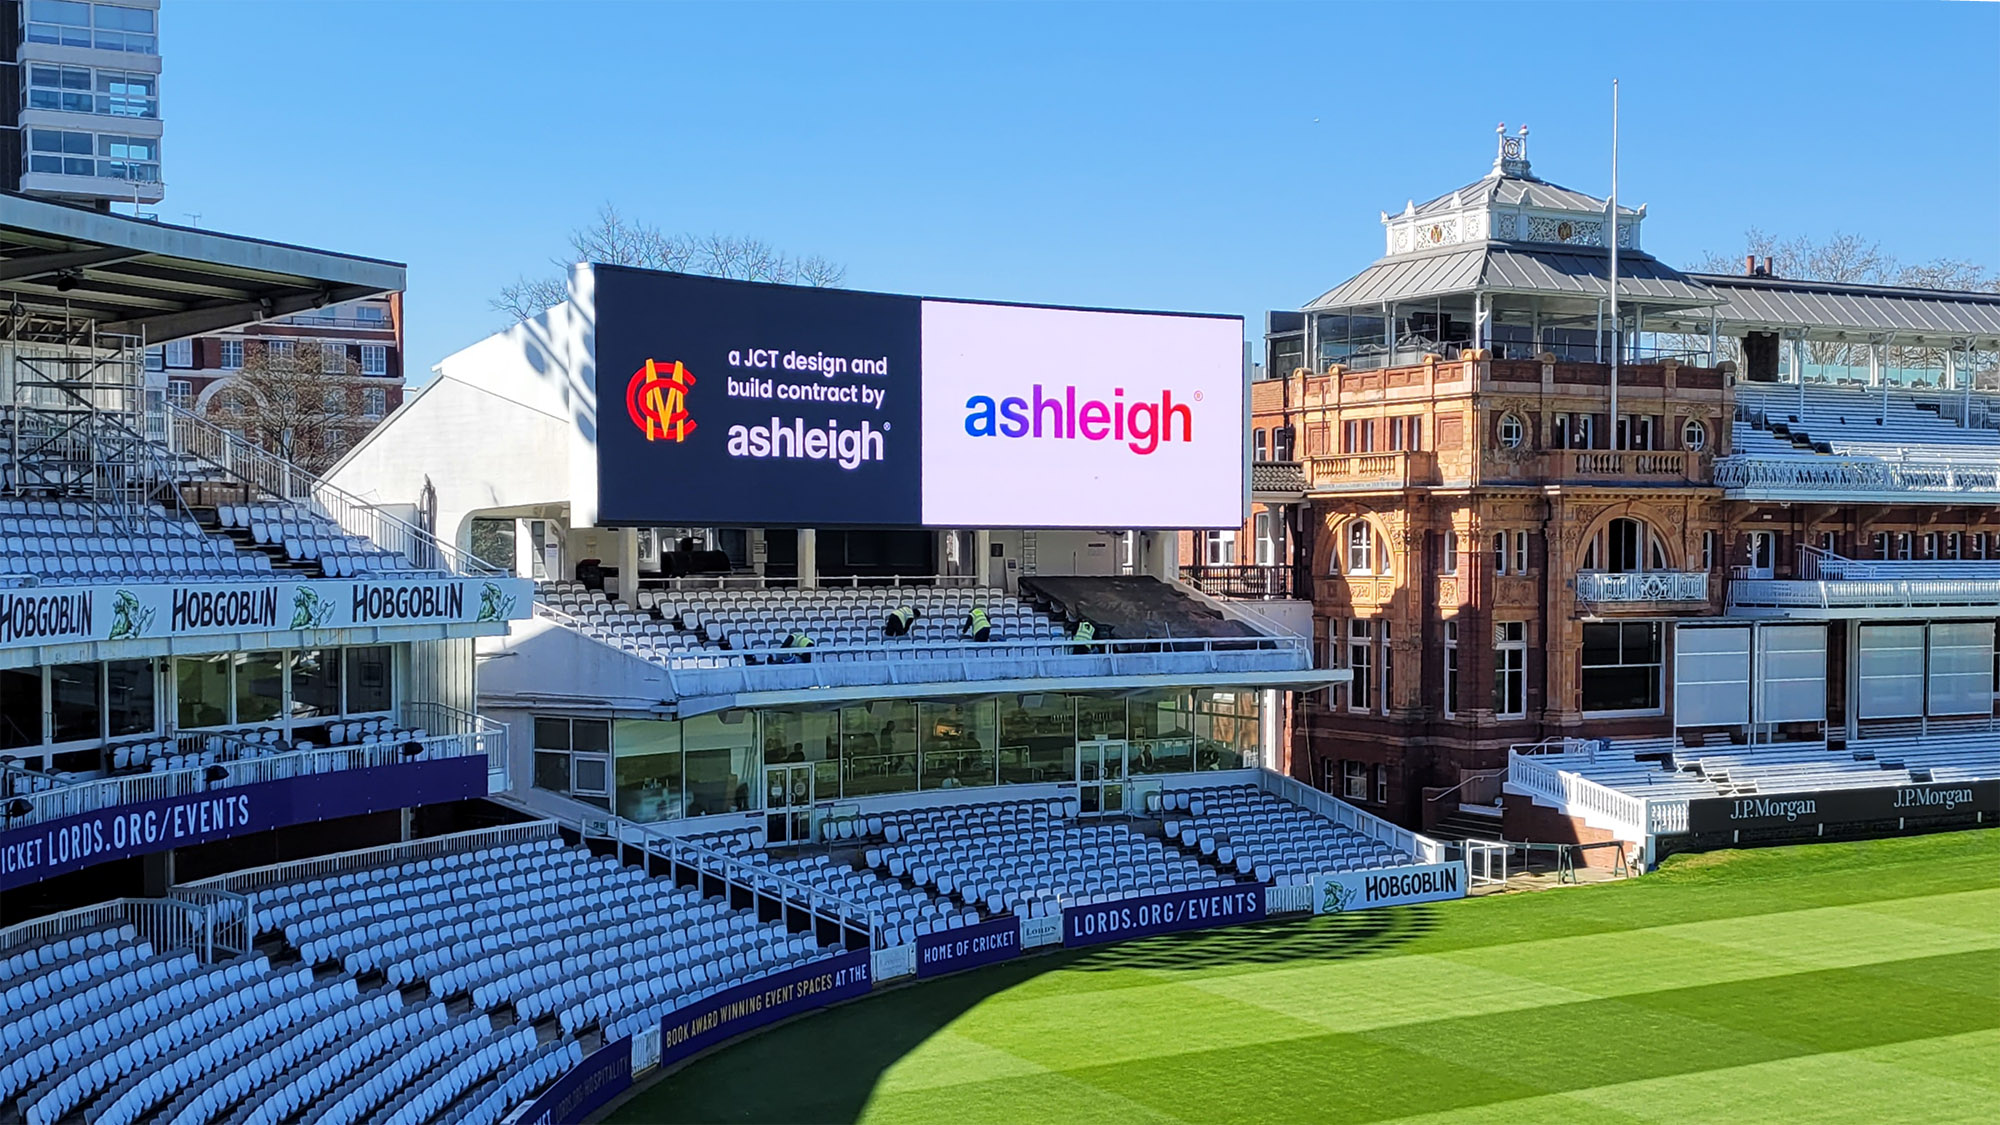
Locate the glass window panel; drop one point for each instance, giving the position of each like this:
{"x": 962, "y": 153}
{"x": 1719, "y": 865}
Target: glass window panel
{"x": 590, "y": 736}
{"x": 1098, "y": 717}
{"x": 201, "y": 688}
{"x": 799, "y": 736}
{"x": 957, "y": 744}
{"x": 552, "y": 771}
{"x": 1162, "y": 732}
{"x": 20, "y": 708}
{"x": 649, "y": 769}
{"x": 720, "y": 762}
{"x": 368, "y": 680}
{"x": 260, "y": 692}
{"x": 315, "y": 683}
{"x": 878, "y": 748}
{"x": 1227, "y": 733}
{"x": 551, "y": 734}
{"x": 128, "y": 693}
{"x": 1037, "y": 738}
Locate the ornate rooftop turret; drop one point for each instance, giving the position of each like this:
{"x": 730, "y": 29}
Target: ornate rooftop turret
{"x": 1509, "y": 204}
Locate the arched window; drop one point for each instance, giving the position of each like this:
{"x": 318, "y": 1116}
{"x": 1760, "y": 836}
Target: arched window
{"x": 1625, "y": 546}
{"x": 1694, "y": 435}
{"x": 1360, "y": 548}
{"x": 1512, "y": 432}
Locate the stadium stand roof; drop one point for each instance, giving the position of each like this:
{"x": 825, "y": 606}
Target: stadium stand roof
{"x": 1826, "y": 310}
{"x": 68, "y": 272}
{"x": 1498, "y": 267}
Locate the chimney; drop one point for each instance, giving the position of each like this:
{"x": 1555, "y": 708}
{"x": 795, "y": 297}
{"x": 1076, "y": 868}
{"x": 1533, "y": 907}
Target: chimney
{"x": 1749, "y": 265}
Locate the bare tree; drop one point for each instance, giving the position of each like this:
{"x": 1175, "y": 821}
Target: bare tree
{"x": 614, "y": 240}
{"x": 1852, "y": 259}
{"x": 297, "y": 402}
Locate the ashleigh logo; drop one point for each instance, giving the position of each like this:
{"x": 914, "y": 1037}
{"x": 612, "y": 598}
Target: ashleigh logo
{"x": 656, "y": 399}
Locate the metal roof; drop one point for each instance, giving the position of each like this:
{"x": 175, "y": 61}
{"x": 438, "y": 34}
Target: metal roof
{"x": 1507, "y": 267}
{"x": 66, "y": 271}
{"x": 1517, "y": 191}
{"x": 1825, "y": 310}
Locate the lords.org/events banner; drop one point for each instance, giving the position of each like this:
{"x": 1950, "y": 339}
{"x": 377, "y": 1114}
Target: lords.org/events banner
{"x": 1127, "y": 918}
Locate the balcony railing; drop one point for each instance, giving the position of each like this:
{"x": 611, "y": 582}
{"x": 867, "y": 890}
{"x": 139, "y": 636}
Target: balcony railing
{"x": 1366, "y": 471}
{"x": 488, "y": 741}
{"x": 1939, "y": 479}
{"x": 1241, "y": 581}
{"x": 1860, "y": 594}
{"x": 1627, "y": 464}
{"x": 1643, "y": 587}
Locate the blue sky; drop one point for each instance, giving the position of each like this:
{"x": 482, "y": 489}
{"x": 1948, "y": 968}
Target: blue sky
{"x": 1226, "y": 158}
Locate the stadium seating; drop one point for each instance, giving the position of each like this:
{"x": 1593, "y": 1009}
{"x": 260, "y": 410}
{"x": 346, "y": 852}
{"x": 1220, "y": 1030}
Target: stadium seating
{"x": 698, "y": 625}
{"x": 307, "y": 537}
{"x": 1854, "y": 421}
{"x": 1672, "y": 770}
{"x": 72, "y": 542}
{"x": 1266, "y": 837}
{"x": 486, "y": 966}
{"x": 1026, "y": 858}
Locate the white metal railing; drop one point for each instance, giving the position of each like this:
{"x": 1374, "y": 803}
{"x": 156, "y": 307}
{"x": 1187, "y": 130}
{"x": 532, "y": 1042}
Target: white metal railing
{"x": 1423, "y": 848}
{"x": 1577, "y": 795}
{"x": 196, "y": 437}
{"x": 1585, "y": 748}
{"x": 1643, "y": 586}
{"x": 251, "y": 880}
{"x": 1778, "y": 593}
{"x": 698, "y": 672}
{"x": 112, "y": 792}
{"x": 736, "y": 581}
{"x": 213, "y": 923}
{"x": 736, "y": 871}
{"x": 1857, "y": 474}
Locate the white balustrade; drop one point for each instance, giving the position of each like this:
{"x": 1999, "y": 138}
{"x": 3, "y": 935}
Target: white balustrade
{"x": 1646, "y": 586}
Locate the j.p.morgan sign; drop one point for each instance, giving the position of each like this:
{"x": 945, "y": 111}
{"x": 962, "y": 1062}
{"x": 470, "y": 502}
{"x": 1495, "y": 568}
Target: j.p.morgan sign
{"x": 1845, "y": 806}
{"x": 129, "y": 612}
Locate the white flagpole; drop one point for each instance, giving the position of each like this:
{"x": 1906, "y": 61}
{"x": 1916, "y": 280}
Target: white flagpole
{"x": 1617, "y": 338}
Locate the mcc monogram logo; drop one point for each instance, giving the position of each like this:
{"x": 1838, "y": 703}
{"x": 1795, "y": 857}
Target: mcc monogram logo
{"x": 656, "y": 400}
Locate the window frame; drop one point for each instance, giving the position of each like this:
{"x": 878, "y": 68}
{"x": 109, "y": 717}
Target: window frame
{"x": 1510, "y": 668}
{"x": 1354, "y": 780}
{"x": 1361, "y": 663}
{"x": 1694, "y": 435}
{"x": 229, "y": 355}
{"x": 1511, "y": 432}
{"x": 1448, "y": 561}
{"x": 1450, "y": 667}
{"x": 1360, "y": 548}
{"x": 1657, "y": 664}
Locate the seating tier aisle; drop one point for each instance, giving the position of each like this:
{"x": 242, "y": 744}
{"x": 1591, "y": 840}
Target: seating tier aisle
{"x": 1860, "y": 422}
{"x": 484, "y": 967}
{"x": 306, "y": 537}
{"x": 1274, "y": 840}
{"x": 1029, "y": 858}
{"x": 79, "y": 542}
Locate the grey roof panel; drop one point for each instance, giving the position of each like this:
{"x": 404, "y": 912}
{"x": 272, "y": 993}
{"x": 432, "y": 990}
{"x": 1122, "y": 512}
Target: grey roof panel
{"x": 1517, "y": 191}
{"x": 1516, "y": 268}
{"x": 1828, "y": 310}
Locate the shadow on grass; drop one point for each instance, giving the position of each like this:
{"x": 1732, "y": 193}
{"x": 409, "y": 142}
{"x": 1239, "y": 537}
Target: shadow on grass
{"x": 826, "y": 1066}
{"x": 1336, "y": 937}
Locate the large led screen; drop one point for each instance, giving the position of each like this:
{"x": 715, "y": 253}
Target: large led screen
{"x": 741, "y": 404}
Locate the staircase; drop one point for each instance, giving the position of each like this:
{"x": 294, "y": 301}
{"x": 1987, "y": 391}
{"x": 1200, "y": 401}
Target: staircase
{"x": 1468, "y": 822}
